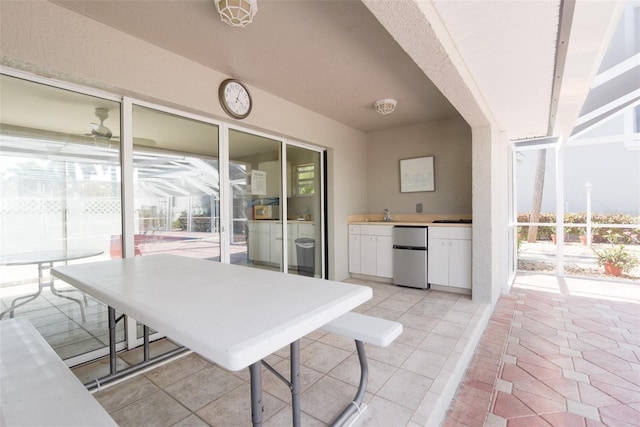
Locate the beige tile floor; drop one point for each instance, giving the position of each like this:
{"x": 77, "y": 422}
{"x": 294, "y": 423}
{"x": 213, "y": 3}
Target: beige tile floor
{"x": 411, "y": 382}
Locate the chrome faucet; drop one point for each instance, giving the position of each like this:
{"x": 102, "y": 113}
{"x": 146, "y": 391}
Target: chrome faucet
{"x": 387, "y": 216}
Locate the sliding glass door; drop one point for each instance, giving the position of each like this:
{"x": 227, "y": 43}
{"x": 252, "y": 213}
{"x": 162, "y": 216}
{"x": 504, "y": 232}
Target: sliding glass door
{"x": 60, "y": 204}
{"x": 86, "y": 176}
{"x": 277, "y": 205}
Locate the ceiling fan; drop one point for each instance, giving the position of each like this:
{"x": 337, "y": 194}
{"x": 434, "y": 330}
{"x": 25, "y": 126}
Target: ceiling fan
{"x": 100, "y": 130}
{"x": 102, "y": 135}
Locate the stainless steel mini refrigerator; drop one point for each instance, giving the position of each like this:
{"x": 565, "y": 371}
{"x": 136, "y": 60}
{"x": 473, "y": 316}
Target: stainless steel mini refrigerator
{"x": 410, "y": 256}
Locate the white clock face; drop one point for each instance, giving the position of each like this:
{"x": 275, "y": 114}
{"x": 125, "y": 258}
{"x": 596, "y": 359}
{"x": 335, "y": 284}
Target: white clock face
{"x": 237, "y": 99}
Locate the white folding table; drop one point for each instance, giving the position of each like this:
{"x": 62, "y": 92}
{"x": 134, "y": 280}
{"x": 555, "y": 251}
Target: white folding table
{"x": 232, "y": 315}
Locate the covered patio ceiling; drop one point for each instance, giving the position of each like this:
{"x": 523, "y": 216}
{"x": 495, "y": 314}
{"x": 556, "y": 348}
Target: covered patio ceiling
{"x": 490, "y": 62}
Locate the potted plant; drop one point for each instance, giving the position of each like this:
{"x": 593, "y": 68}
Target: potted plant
{"x": 583, "y": 237}
{"x": 614, "y": 258}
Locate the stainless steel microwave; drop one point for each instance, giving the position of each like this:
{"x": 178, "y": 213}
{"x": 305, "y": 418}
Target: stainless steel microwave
{"x": 266, "y": 212}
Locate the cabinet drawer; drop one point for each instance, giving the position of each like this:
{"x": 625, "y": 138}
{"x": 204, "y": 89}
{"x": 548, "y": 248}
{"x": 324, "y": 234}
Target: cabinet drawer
{"x": 263, "y": 227}
{"x": 354, "y": 229}
{"x": 377, "y": 230}
{"x": 460, "y": 233}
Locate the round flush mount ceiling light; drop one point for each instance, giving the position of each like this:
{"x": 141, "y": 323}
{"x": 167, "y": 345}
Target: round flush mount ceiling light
{"x": 385, "y": 106}
{"x": 237, "y": 13}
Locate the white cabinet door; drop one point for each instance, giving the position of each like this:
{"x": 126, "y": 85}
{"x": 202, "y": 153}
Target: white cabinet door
{"x": 371, "y": 250}
{"x": 438, "y": 261}
{"x": 384, "y": 256}
{"x": 259, "y": 246}
{"x": 355, "y": 265}
{"x": 275, "y": 237}
{"x": 449, "y": 256}
{"x": 368, "y": 255}
{"x": 460, "y": 264}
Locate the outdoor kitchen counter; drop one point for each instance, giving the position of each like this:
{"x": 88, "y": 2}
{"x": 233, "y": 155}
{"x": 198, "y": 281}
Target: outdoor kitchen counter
{"x": 410, "y": 223}
{"x": 420, "y": 220}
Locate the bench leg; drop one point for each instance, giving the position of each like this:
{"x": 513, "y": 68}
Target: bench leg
{"x": 356, "y": 404}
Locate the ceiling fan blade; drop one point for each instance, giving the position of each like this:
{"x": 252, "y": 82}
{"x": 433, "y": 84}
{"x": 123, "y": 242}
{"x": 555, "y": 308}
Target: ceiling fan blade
{"x": 139, "y": 141}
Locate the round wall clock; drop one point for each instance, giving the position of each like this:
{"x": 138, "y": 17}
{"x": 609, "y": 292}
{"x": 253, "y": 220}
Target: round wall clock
{"x": 234, "y": 98}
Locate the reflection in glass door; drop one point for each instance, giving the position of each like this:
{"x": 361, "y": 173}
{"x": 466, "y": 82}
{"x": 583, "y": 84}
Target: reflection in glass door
{"x": 60, "y": 203}
{"x": 176, "y": 185}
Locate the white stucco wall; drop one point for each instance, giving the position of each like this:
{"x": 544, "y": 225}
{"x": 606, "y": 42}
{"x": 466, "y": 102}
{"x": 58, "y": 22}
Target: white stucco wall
{"x": 490, "y": 214}
{"x": 46, "y": 39}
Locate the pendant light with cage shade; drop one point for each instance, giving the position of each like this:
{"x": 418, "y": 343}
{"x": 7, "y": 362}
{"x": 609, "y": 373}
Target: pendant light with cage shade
{"x": 385, "y": 106}
{"x": 237, "y": 13}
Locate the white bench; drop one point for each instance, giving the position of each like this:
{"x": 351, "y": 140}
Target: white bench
{"x": 37, "y": 387}
{"x": 363, "y": 329}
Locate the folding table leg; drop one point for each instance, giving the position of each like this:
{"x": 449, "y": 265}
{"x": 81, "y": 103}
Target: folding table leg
{"x": 295, "y": 382}
{"x": 112, "y": 340}
{"x": 256, "y": 393}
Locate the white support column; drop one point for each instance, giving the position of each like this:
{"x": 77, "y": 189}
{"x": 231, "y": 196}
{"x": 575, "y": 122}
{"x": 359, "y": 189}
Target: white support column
{"x": 587, "y": 187}
{"x": 559, "y": 209}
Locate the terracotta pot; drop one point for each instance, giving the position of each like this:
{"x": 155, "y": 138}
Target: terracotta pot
{"x": 553, "y": 238}
{"x": 612, "y": 270}
{"x": 583, "y": 240}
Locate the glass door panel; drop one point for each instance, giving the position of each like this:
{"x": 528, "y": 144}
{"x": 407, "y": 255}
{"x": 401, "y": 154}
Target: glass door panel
{"x": 255, "y": 179}
{"x": 176, "y": 185}
{"x": 304, "y": 211}
{"x": 60, "y": 203}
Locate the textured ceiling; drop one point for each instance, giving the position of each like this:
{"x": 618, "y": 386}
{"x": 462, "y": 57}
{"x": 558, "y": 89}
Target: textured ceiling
{"x": 332, "y": 57}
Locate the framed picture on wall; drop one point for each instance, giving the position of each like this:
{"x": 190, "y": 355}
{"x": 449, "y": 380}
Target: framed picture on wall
{"x": 417, "y": 175}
